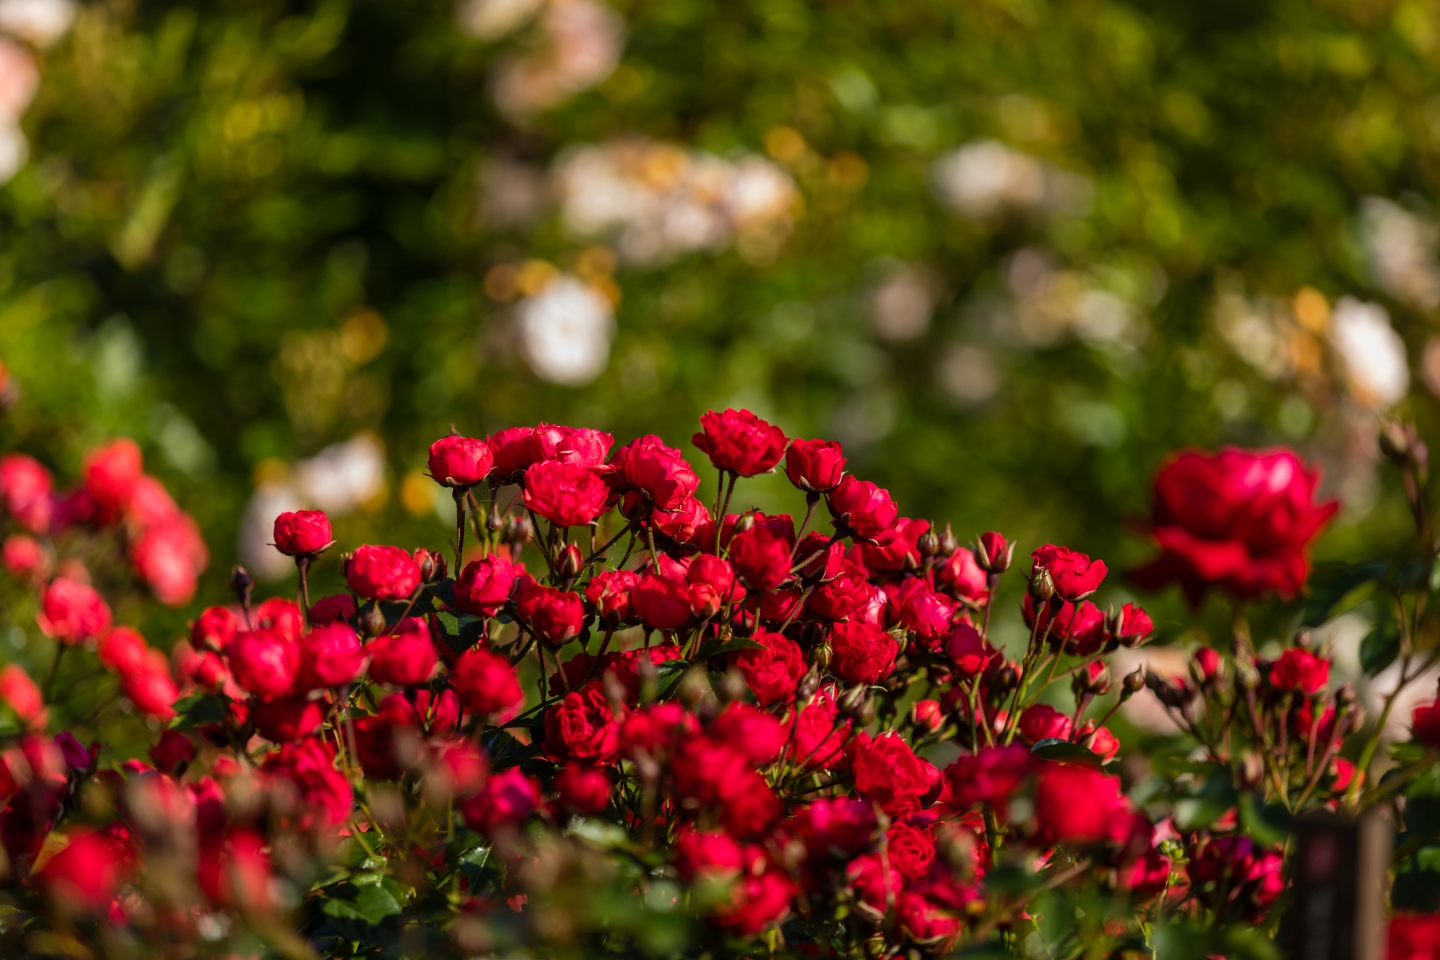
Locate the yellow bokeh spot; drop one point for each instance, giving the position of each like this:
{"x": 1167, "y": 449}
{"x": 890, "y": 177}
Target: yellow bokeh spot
{"x": 417, "y": 493}
{"x": 270, "y": 470}
{"x": 785, "y": 144}
{"x": 534, "y": 276}
{"x": 363, "y": 336}
{"x": 1311, "y": 309}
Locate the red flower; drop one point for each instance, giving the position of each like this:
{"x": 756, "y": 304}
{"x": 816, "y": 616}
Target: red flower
{"x": 660, "y": 602}
{"x": 609, "y": 592}
{"x": 330, "y": 656}
{"x": 739, "y": 441}
{"x": 861, "y": 508}
{"x": 287, "y": 719}
{"x": 282, "y": 616}
{"x": 923, "y": 920}
{"x": 169, "y": 559}
{"x": 756, "y": 902}
{"x": 684, "y": 524}
{"x": 820, "y": 736}
{"x": 405, "y": 657}
{"x": 1074, "y": 574}
{"x": 460, "y": 462}
{"x": 566, "y": 494}
{"x": 899, "y": 549}
{"x": 213, "y": 629}
{"x": 749, "y": 808}
{"x": 928, "y": 715}
{"x": 173, "y": 749}
{"x": 336, "y": 609}
{"x": 487, "y": 684}
{"x": 1040, "y": 721}
{"x": 918, "y": 608}
{"x": 25, "y": 491}
{"x": 875, "y": 883}
{"x": 22, "y": 695}
{"x": 762, "y": 557}
{"x": 1135, "y": 626}
{"x": 319, "y": 794}
{"x": 819, "y": 557}
{"x": 655, "y": 729}
{"x": 382, "y": 573}
{"x": 485, "y": 585}
{"x": 815, "y": 465}
{"x": 1413, "y": 938}
{"x": 263, "y": 662}
{"x": 713, "y": 855}
{"x": 861, "y": 653}
{"x": 111, "y": 473}
{"x": 992, "y": 553}
{"x": 1300, "y": 670}
{"x": 1238, "y": 520}
{"x": 1242, "y": 872}
{"x": 1425, "y": 724}
{"x": 1079, "y": 806}
{"x": 583, "y": 790}
{"x": 911, "y": 850}
{"x": 774, "y": 670}
{"x": 989, "y": 776}
{"x": 968, "y": 651}
{"x": 888, "y": 773}
{"x": 963, "y": 575}
{"x": 71, "y": 611}
{"x": 657, "y": 471}
{"x": 85, "y": 873}
{"x": 122, "y": 650}
{"x": 25, "y": 558}
{"x": 839, "y": 827}
{"x": 302, "y": 533}
{"x": 151, "y": 688}
{"x": 582, "y": 727}
{"x": 753, "y": 732}
{"x": 555, "y": 616}
{"x": 844, "y": 595}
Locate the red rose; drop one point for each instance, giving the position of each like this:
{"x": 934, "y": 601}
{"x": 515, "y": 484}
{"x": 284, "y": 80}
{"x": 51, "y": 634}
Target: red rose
{"x": 406, "y": 657}
{"x": 875, "y": 883}
{"x": 718, "y": 575}
{"x": 487, "y": 684}
{"x": 911, "y": 850}
{"x": 566, "y": 494}
{"x": 968, "y": 651}
{"x": 151, "y": 688}
{"x": 25, "y": 491}
{"x": 609, "y": 593}
{"x": 1074, "y": 574}
{"x": 22, "y": 695}
{"x": 888, "y": 773}
{"x": 928, "y": 715}
{"x": 821, "y": 735}
{"x": 555, "y": 616}
{"x": 839, "y": 827}
{"x": 1041, "y": 721}
{"x": 761, "y": 557}
{"x": 820, "y": 558}
{"x": 25, "y": 558}
{"x": 280, "y": 615}
{"x": 1135, "y": 626}
{"x": 582, "y": 727}
{"x": 861, "y": 653}
{"x": 1103, "y": 743}
{"x": 899, "y": 549}
{"x": 1238, "y": 520}
{"x": 485, "y": 585}
{"x": 263, "y": 662}
{"x": 111, "y": 473}
{"x": 71, "y": 611}
{"x": 963, "y": 575}
{"x": 712, "y": 855}
{"x": 815, "y": 466}
{"x": 1412, "y": 937}
{"x": 846, "y": 593}
{"x": 419, "y": 709}
{"x": 287, "y": 719}
{"x": 655, "y": 729}
{"x": 330, "y": 656}
{"x": 1300, "y": 670}
{"x": 1234, "y": 867}
{"x": 1078, "y": 805}
{"x": 382, "y": 573}
{"x": 918, "y": 608}
{"x": 749, "y": 808}
{"x": 122, "y": 650}
{"x": 583, "y": 790}
{"x": 460, "y": 462}
{"x": 774, "y": 670}
{"x": 173, "y": 749}
{"x": 1425, "y": 724}
{"x": 581, "y": 445}
{"x": 989, "y": 776}
{"x": 739, "y": 441}
{"x": 756, "y": 903}
{"x": 862, "y": 509}
{"x": 992, "y": 553}
{"x": 657, "y": 471}
{"x": 302, "y": 533}
{"x": 336, "y": 609}
{"x": 660, "y": 602}
{"x": 213, "y": 629}
{"x": 322, "y": 794}
{"x": 86, "y": 871}
{"x": 753, "y": 732}
{"x": 169, "y": 560}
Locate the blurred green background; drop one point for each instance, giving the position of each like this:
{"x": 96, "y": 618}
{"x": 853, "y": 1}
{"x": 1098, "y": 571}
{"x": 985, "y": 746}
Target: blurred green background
{"x": 1010, "y": 252}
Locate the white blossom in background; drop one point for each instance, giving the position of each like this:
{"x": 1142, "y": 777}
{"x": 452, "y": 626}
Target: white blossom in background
{"x": 1372, "y": 353}
{"x": 985, "y": 177}
{"x": 1400, "y": 250}
{"x": 580, "y": 46}
{"x": 902, "y": 302}
{"x": 490, "y": 20}
{"x": 1049, "y": 303}
{"x": 565, "y": 331}
{"x": 968, "y": 374}
{"x": 37, "y": 22}
{"x": 40, "y": 22}
{"x": 659, "y": 201}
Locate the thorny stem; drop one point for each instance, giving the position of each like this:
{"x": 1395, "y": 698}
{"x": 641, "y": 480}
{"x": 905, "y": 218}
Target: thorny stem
{"x": 459, "y": 493}
{"x": 302, "y": 563}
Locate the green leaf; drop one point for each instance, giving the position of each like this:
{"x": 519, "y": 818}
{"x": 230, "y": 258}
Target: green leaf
{"x": 1336, "y": 587}
{"x": 1063, "y": 751}
{"x": 667, "y": 675}
{"x": 368, "y": 897}
{"x": 1379, "y": 648}
{"x": 717, "y": 647}
{"x": 444, "y": 591}
{"x": 198, "y": 711}
{"x": 601, "y": 833}
{"x": 1216, "y": 797}
{"x": 1266, "y": 823}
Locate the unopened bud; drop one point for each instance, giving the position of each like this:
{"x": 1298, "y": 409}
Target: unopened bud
{"x": 928, "y": 716}
{"x": 732, "y": 686}
{"x": 241, "y": 584}
{"x": 372, "y": 622}
{"x": 1007, "y": 678}
{"x": 993, "y": 554}
{"x": 432, "y": 565}
{"x": 1132, "y": 683}
{"x": 519, "y": 531}
{"x": 1042, "y": 587}
{"x": 1251, "y": 771}
{"x": 745, "y": 522}
{"x": 928, "y": 544}
{"x": 856, "y": 704}
{"x": 809, "y": 685}
{"x": 495, "y": 522}
{"x": 570, "y": 562}
{"x": 820, "y": 655}
{"x": 948, "y": 543}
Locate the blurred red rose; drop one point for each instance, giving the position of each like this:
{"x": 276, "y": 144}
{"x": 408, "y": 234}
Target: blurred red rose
{"x": 487, "y": 684}
{"x": 71, "y": 612}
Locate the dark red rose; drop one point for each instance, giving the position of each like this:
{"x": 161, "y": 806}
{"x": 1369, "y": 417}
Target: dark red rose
{"x": 819, "y": 557}
{"x": 815, "y": 466}
{"x": 750, "y": 809}
{"x": 992, "y": 553}
{"x": 844, "y": 595}
{"x": 821, "y": 735}
{"x": 1041, "y": 721}
{"x": 486, "y": 584}
{"x": 861, "y": 653}
{"x": 1238, "y": 520}
{"x": 1300, "y": 670}
{"x": 1412, "y": 937}
{"x": 911, "y": 849}
{"x": 382, "y": 573}
{"x": 1077, "y": 805}
{"x": 25, "y": 491}
{"x": 487, "y": 684}
{"x": 660, "y": 602}
{"x": 111, "y": 473}
{"x": 931, "y": 914}
{"x": 1425, "y": 724}
{"x": 968, "y": 651}
{"x": 888, "y": 773}
{"x": 762, "y": 557}
{"x": 213, "y": 629}
{"x": 1074, "y": 574}
{"x": 302, "y": 533}
{"x": 918, "y": 608}
{"x": 404, "y": 657}
{"x": 555, "y": 616}
{"x": 739, "y": 441}
{"x": 838, "y": 827}
{"x": 899, "y": 550}
{"x": 707, "y": 771}
{"x": 419, "y": 709}
{"x": 713, "y": 855}
{"x": 657, "y": 728}
{"x": 928, "y": 715}
{"x": 583, "y": 727}
{"x": 507, "y": 799}
{"x": 336, "y": 609}
{"x": 625, "y": 667}
{"x": 263, "y": 662}
{"x": 71, "y": 612}
{"x": 1080, "y": 629}
{"x": 173, "y": 749}
{"x": 753, "y": 732}
{"x": 582, "y": 790}
{"x": 875, "y": 884}
{"x": 963, "y": 575}
{"x": 989, "y": 776}
{"x": 609, "y": 593}
{"x": 862, "y": 509}
{"x": 287, "y": 719}
{"x": 774, "y": 670}
{"x": 566, "y": 494}
{"x": 330, "y": 655}
{"x": 460, "y": 461}
{"x": 756, "y": 902}
{"x": 657, "y": 471}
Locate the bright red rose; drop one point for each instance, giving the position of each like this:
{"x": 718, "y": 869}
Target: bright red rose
{"x": 968, "y": 651}
{"x": 609, "y": 593}
{"x": 111, "y": 473}
{"x": 761, "y": 557}
{"x": 25, "y": 558}
{"x": 1041, "y": 721}
{"x": 1413, "y": 938}
{"x": 753, "y": 732}
{"x": 566, "y": 494}
{"x": 718, "y": 575}
{"x": 656, "y": 729}
{"x": 169, "y": 559}
{"x": 487, "y": 684}
{"x": 263, "y": 662}
{"x": 517, "y": 448}
{"x": 899, "y": 549}
{"x": 989, "y": 776}
{"x": 1078, "y": 805}
{"x": 1301, "y": 671}
{"x": 1238, "y": 520}
{"x": 330, "y": 656}
{"x": 582, "y": 790}
{"x": 287, "y": 719}
{"x": 151, "y": 687}
{"x": 583, "y": 727}
{"x": 122, "y": 650}
{"x": 22, "y": 695}
{"x": 815, "y": 466}
{"x": 861, "y": 653}
{"x": 712, "y": 855}
{"x": 25, "y": 491}
{"x": 862, "y": 509}
{"x": 774, "y": 670}
{"x": 1103, "y": 743}
{"x": 685, "y": 524}
{"x": 302, "y": 533}
{"x": 963, "y": 576}
{"x": 85, "y": 873}
{"x": 888, "y": 773}
{"x": 172, "y": 749}
{"x": 382, "y": 573}
{"x": 660, "y": 602}
{"x": 756, "y": 903}
{"x": 213, "y": 629}
{"x": 739, "y": 441}
{"x": 404, "y": 657}
{"x": 486, "y": 584}
{"x": 336, "y": 609}
{"x": 581, "y": 445}
{"x": 911, "y": 849}
{"x": 303, "y": 776}
{"x": 1074, "y": 574}
{"x": 460, "y": 462}
{"x": 819, "y": 557}
{"x": 918, "y": 608}
{"x": 749, "y": 809}
{"x": 71, "y": 612}
{"x": 657, "y": 471}
{"x": 555, "y": 616}
{"x": 1135, "y": 626}
{"x": 844, "y": 595}
{"x": 928, "y": 715}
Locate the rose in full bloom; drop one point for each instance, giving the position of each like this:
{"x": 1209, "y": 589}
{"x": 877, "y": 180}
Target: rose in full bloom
{"x": 968, "y": 651}
{"x": 899, "y": 549}
{"x": 213, "y": 629}
{"x": 302, "y": 533}
{"x": 861, "y": 653}
{"x": 888, "y": 773}
{"x": 761, "y": 557}
{"x": 842, "y": 596}
{"x": 508, "y": 798}
{"x": 263, "y": 662}
{"x": 486, "y": 683}
{"x": 485, "y": 585}
{"x": 661, "y": 603}
{"x": 566, "y": 494}
{"x": 582, "y": 790}
{"x": 918, "y": 608}
{"x": 287, "y": 719}
{"x": 815, "y": 466}
{"x": 404, "y": 657}
{"x": 989, "y": 776}
{"x": 555, "y": 616}
{"x": 773, "y": 670}
{"x": 741, "y": 442}
{"x": 460, "y": 462}
{"x": 1040, "y": 721}
{"x": 86, "y": 871}
{"x": 382, "y": 573}
{"x": 330, "y": 655}
{"x": 583, "y": 728}
{"x": 111, "y": 473}
{"x": 1078, "y": 805}
{"x": 862, "y": 508}
{"x": 1238, "y": 520}
{"x": 609, "y": 593}
{"x": 1074, "y": 574}
{"x": 911, "y": 849}
{"x": 964, "y": 576}
{"x": 71, "y": 612}
{"x": 657, "y": 471}
{"x": 1300, "y": 670}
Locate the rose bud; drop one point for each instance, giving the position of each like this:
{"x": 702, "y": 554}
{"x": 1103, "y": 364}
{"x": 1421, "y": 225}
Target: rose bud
{"x": 210, "y": 672}
{"x": 487, "y": 684}
{"x": 263, "y": 662}
{"x": 1301, "y": 671}
{"x": 1132, "y": 626}
{"x": 1132, "y": 683}
{"x": 566, "y": 494}
{"x": 72, "y": 612}
{"x": 241, "y": 585}
{"x": 992, "y": 552}
{"x": 517, "y": 531}
{"x": 609, "y": 593}
{"x": 1093, "y": 680}
{"x": 382, "y": 573}
{"x": 460, "y": 462}
{"x": 555, "y": 616}
{"x": 1074, "y": 575}
{"x": 928, "y": 715}
{"x": 1206, "y": 665}
{"x": 582, "y": 790}
{"x": 815, "y": 466}
{"x": 431, "y": 564}
{"x": 1040, "y": 721}
{"x": 928, "y": 543}
{"x": 213, "y": 629}
{"x": 862, "y": 509}
{"x": 1042, "y": 586}
{"x": 302, "y": 533}
{"x": 26, "y": 492}
{"x": 330, "y": 656}
{"x": 151, "y": 688}
{"x": 570, "y": 562}
{"x": 486, "y": 584}
{"x": 404, "y": 658}
{"x": 740, "y": 442}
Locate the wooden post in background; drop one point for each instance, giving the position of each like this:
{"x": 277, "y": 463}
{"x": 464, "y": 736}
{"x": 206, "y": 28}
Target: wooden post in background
{"x": 1340, "y": 876}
